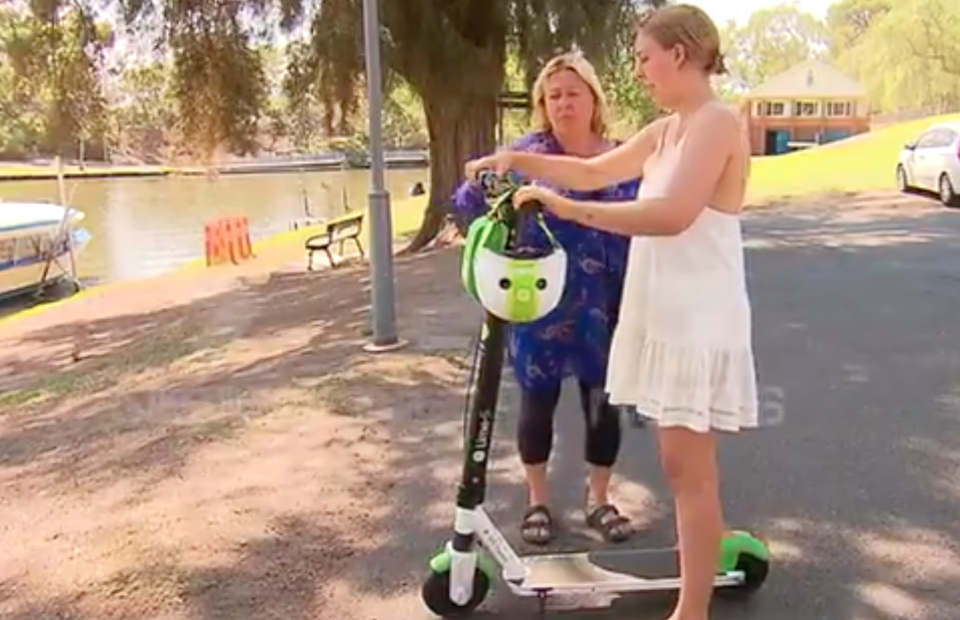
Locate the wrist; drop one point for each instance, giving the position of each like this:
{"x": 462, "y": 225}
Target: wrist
{"x": 570, "y": 207}
{"x": 583, "y": 212}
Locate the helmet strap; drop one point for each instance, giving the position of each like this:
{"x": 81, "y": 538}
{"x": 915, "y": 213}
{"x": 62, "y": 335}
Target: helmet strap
{"x": 502, "y": 203}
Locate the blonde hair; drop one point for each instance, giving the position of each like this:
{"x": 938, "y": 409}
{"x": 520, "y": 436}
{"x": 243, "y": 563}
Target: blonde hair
{"x": 576, "y": 62}
{"x": 689, "y": 27}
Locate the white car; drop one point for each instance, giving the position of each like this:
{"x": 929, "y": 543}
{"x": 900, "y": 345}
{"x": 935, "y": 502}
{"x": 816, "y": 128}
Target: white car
{"x": 932, "y": 163}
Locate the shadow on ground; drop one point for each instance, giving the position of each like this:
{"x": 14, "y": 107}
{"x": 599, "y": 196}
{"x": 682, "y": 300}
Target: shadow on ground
{"x": 235, "y": 375}
{"x": 350, "y": 461}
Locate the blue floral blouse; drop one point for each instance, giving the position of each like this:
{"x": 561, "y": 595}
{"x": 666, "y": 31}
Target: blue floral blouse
{"x": 575, "y": 337}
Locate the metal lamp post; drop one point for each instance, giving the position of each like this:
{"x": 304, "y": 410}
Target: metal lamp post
{"x": 383, "y": 316}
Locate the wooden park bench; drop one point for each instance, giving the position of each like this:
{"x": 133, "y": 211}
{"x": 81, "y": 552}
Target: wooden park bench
{"x": 339, "y": 231}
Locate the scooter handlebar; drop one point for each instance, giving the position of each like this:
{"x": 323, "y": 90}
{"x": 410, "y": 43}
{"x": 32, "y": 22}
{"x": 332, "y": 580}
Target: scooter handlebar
{"x": 487, "y": 179}
{"x": 494, "y": 184}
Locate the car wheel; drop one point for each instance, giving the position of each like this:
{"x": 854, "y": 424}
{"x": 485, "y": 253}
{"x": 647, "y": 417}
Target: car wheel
{"x": 903, "y": 183}
{"x": 948, "y": 196}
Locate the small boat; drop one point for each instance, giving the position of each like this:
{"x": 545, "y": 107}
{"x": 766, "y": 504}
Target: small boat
{"x": 35, "y": 245}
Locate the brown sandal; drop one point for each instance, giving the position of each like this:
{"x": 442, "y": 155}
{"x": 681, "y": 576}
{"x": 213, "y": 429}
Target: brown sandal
{"x": 537, "y": 526}
{"x": 608, "y": 521}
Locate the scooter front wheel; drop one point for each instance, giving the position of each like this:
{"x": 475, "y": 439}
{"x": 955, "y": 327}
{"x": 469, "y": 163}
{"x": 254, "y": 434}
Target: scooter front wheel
{"x": 436, "y": 594}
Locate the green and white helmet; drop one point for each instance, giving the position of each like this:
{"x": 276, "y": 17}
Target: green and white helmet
{"x": 514, "y": 288}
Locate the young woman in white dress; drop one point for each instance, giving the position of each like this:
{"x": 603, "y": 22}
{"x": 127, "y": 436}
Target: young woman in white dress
{"x": 682, "y": 352}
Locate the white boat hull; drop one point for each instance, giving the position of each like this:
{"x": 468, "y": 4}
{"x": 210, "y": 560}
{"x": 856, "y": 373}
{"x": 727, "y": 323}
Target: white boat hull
{"x": 30, "y": 234}
{"x": 19, "y": 219}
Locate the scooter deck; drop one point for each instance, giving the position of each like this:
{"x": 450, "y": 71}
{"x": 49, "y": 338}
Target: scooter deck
{"x": 656, "y": 569}
{"x": 643, "y": 564}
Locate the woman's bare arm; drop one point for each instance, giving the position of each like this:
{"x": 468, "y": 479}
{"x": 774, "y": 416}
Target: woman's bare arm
{"x": 705, "y": 154}
{"x": 620, "y": 164}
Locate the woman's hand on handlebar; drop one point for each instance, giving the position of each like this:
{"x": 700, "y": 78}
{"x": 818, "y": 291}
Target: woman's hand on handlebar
{"x": 550, "y": 200}
{"x": 500, "y": 163}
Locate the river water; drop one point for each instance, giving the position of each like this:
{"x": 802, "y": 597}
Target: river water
{"x": 147, "y": 226}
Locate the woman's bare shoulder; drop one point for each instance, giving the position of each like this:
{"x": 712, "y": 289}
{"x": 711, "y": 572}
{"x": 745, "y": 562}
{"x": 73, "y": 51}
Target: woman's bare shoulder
{"x": 720, "y": 112}
{"x": 723, "y": 124}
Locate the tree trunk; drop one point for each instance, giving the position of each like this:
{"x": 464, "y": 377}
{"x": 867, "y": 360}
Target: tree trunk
{"x": 461, "y": 127}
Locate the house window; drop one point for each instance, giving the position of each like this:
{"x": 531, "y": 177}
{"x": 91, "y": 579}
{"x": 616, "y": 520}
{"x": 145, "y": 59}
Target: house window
{"x": 839, "y": 108}
{"x": 806, "y": 108}
{"x": 774, "y": 108}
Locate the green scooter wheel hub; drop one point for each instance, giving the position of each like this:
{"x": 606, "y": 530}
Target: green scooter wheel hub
{"x": 440, "y": 563}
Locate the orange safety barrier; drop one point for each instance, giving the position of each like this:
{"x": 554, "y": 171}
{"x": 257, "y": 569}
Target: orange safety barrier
{"x": 228, "y": 239}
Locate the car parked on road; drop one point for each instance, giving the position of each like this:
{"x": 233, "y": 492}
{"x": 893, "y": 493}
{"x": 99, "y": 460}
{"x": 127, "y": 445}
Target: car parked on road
{"x": 931, "y": 162}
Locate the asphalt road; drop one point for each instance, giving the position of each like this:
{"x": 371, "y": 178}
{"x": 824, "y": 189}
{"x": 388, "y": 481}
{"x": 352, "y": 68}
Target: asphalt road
{"x": 855, "y": 480}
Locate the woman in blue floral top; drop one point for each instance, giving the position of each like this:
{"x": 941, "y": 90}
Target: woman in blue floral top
{"x": 570, "y": 110}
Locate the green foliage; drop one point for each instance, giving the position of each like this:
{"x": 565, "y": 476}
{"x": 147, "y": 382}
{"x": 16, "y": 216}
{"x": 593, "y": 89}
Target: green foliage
{"x": 218, "y": 77}
{"x": 303, "y": 107}
{"x": 144, "y": 109}
{"x": 354, "y": 148}
{"x": 328, "y": 65}
{"x": 910, "y": 56}
{"x": 52, "y": 57}
{"x": 404, "y": 124}
{"x": 515, "y": 122}
{"x": 631, "y": 106}
{"x": 220, "y": 80}
{"x": 773, "y": 40}
{"x": 22, "y": 113}
{"x": 849, "y": 20}
{"x": 602, "y": 29}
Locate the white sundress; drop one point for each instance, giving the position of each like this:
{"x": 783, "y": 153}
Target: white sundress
{"x": 682, "y": 352}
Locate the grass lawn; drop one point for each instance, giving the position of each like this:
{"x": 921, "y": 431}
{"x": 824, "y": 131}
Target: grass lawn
{"x": 407, "y": 214}
{"x": 862, "y": 163}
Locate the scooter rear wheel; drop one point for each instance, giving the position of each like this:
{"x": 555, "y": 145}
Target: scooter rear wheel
{"x": 436, "y": 594}
{"x": 755, "y": 572}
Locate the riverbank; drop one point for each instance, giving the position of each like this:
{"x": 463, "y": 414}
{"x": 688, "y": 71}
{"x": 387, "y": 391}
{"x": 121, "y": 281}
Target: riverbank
{"x": 28, "y": 172}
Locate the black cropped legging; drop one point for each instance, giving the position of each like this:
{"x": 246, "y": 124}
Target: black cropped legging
{"x": 535, "y": 426}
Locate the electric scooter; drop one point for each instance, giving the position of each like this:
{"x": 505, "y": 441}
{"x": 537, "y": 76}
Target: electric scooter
{"x": 461, "y": 575}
